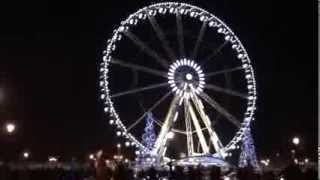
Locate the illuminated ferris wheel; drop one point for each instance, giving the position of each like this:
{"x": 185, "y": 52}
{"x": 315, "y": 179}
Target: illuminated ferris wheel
{"x": 186, "y": 67}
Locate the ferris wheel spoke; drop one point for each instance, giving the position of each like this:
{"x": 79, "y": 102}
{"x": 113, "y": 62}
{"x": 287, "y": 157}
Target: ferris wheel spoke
{"x": 199, "y": 39}
{"x": 141, "y": 89}
{"x": 220, "y": 109}
{"x": 146, "y": 48}
{"x": 138, "y": 67}
{"x": 180, "y": 35}
{"x": 224, "y": 71}
{"x": 226, "y": 91}
{"x": 155, "y": 105}
{"x": 162, "y": 37}
{"x": 214, "y": 53}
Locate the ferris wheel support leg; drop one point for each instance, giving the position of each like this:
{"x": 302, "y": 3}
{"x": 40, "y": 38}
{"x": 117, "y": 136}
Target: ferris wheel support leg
{"x": 159, "y": 146}
{"x": 196, "y": 124}
{"x": 213, "y": 135}
{"x": 190, "y": 144}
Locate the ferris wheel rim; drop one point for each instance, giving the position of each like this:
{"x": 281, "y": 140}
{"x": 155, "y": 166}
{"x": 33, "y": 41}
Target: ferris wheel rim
{"x": 243, "y": 55}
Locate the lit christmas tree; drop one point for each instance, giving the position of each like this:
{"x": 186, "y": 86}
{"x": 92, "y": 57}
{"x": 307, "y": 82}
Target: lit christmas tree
{"x": 248, "y": 153}
{"x": 149, "y": 136}
{"x": 144, "y": 158}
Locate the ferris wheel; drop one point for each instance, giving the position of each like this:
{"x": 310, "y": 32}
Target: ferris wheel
{"x": 186, "y": 67}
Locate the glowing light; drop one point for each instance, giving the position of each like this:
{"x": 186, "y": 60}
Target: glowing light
{"x": 265, "y": 162}
{"x": 161, "y": 10}
{"x": 171, "y": 10}
{"x": 119, "y": 145}
{"x": 296, "y": 141}
{"x": 234, "y": 46}
{"x": 182, "y": 155}
{"x": 26, "y": 155}
{"x": 175, "y": 117}
{"x": 226, "y": 178}
{"x": 202, "y": 18}
{"x": 102, "y": 96}
{"x": 10, "y": 128}
{"x": 118, "y": 133}
{"x": 189, "y": 76}
{"x": 306, "y": 160}
{"x": 111, "y": 122}
{"x": 52, "y": 159}
{"x": 91, "y": 157}
{"x": 248, "y": 76}
{"x": 192, "y": 14}
{"x": 127, "y": 144}
{"x": 121, "y": 28}
{"x": 170, "y": 135}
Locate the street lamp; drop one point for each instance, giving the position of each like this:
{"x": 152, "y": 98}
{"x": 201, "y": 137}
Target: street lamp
{"x": 91, "y": 157}
{"x": 52, "y": 159}
{"x": 10, "y": 128}
{"x": 296, "y": 141}
{"x": 26, "y": 155}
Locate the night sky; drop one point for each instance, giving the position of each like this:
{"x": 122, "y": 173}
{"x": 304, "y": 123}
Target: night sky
{"x": 50, "y": 54}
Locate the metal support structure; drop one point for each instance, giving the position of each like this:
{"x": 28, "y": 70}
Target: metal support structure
{"x": 159, "y": 146}
{"x": 213, "y": 136}
{"x": 190, "y": 144}
{"x": 203, "y": 143}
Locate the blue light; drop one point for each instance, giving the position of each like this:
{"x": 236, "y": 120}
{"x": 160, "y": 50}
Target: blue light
{"x": 248, "y": 153}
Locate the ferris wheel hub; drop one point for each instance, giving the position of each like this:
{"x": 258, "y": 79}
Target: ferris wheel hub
{"x": 185, "y": 75}
{"x": 189, "y": 76}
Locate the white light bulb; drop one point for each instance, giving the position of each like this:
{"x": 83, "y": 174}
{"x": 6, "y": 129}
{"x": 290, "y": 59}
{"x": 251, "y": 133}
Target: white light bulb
{"x": 10, "y": 128}
{"x": 189, "y": 76}
{"x": 170, "y": 135}
{"x": 121, "y": 28}
{"x": 26, "y": 155}
{"x": 127, "y": 144}
{"x": 296, "y": 141}
{"x": 91, "y": 156}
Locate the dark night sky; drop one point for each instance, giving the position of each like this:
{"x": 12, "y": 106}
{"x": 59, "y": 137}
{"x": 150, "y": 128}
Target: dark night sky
{"x": 50, "y": 51}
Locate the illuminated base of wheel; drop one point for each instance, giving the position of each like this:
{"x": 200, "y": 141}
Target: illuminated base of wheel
{"x": 204, "y": 160}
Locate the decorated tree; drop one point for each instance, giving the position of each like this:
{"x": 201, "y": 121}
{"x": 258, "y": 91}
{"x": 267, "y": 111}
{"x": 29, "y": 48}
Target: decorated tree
{"x": 248, "y": 154}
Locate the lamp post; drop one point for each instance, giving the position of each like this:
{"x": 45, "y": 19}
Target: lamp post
{"x": 296, "y": 141}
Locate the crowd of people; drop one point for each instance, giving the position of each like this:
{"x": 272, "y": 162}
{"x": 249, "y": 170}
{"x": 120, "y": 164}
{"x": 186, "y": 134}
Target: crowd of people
{"x": 292, "y": 172}
{"x": 123, "y": 171}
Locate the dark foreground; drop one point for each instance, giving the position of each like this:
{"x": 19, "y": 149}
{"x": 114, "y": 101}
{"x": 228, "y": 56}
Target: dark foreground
{"x": 121, "y": 172}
